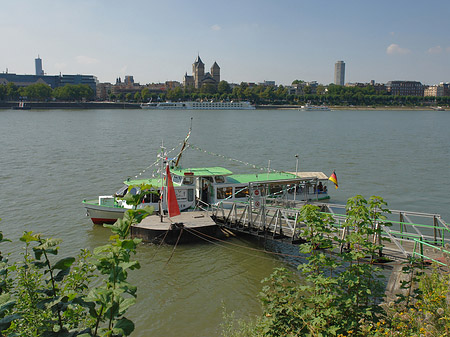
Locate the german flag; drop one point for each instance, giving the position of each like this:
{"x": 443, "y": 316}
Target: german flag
{"x": 333, "y": 178}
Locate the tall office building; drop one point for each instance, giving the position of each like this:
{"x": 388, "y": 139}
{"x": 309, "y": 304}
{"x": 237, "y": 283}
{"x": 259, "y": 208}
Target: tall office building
{"x": 339, "y": 73}
{"x": 38, "y": 66}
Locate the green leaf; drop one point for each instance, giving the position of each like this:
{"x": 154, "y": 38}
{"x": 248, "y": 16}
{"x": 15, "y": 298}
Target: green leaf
{"x": 28, "y": 237}
{"x": 64, "y": 263}
{"x": 5, "y": 322}
{"x": 130, "y": 265}
{"x": 123, "y": 326}
{"x": 60, "y": 276}
{"x": 7, "y": 305}
{"x": 125, "y": 304}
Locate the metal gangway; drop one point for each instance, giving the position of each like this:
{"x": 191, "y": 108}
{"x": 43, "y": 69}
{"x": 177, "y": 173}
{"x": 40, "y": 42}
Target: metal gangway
{"x": 408, "y": 234}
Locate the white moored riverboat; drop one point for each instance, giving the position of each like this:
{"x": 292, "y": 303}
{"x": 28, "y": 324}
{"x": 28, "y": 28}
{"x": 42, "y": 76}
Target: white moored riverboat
{"x": 206, "y": 105}
{"x": 308, "y": 107}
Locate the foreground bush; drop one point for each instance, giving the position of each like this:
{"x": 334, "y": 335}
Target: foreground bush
{"x": 339, "y": 293}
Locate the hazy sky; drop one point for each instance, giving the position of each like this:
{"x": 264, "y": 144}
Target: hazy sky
{"x": 252, "y": 41}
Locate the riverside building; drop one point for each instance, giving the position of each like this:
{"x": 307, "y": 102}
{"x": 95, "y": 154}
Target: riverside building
{"x": 53, "y": 81}
{"x": 405, "y": 88}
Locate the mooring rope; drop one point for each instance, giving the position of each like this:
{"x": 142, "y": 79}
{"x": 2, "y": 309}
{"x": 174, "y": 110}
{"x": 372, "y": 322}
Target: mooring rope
{"x": 205, "y": 237}
{"x": 176, "y": 244}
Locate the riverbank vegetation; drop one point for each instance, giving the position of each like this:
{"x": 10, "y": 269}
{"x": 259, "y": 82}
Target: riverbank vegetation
{"x": 341, "y": 293}
{"x": 333, "y": 95}
{"x": 42, "y": 92}
{"x": 333, "y": 293}
{"x": 87, "y": 295}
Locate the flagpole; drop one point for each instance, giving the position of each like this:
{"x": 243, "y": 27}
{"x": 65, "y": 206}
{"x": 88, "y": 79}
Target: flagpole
{"x": 161, "y": 199}
{"x": 296, "y": 176}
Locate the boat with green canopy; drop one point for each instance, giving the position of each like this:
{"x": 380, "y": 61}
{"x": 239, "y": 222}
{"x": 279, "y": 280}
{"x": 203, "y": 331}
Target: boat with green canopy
{"x": 201, "y": 187}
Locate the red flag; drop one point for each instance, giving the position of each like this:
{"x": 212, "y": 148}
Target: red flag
{"x": 172, "y": 203}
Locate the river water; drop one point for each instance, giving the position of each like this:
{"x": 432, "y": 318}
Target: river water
{"x": 53, "y": 159}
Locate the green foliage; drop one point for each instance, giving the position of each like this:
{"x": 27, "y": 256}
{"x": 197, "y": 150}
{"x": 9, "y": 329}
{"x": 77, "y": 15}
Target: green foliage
{"x": 12, "y": 91}
{"x": 49, "y": 294}
{"x": 337, "y": 289}
{"x": 114, "y": 260}
{"x": 38, "y": 92}
{"x": 223, "y": 87}
{"x": 54, "y": 297}
{"x": 2, "y": 92}
{"x": 73, "y": 92}
{"x": 422, "y": 312}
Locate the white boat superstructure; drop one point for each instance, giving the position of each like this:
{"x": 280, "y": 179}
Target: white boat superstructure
{"x": 308, "y": 107}
{"x": 205, "y": 105}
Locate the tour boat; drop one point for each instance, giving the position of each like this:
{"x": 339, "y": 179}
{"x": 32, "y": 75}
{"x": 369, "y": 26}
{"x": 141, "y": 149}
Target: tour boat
{"x": 204, "y": 105}
{"x": 308, "y": 107}
{"x": 211, "y": 186}
{"x": 204, "y": 186}
{"x": 437, "y": 108}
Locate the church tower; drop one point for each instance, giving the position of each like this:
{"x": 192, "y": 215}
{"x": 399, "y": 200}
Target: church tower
{"x": 198, "y": 70}
{"x": 215, "y": 72}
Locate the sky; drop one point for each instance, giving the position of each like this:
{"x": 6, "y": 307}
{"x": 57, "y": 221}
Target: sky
{"x": 251, "y": 40}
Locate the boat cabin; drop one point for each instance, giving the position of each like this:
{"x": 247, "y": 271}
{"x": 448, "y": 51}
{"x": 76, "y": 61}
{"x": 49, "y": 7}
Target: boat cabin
{"x": 213, "y": 185}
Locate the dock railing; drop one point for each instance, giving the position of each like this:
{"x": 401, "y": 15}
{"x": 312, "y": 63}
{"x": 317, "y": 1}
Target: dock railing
{"x": 399, "y": 235}
{"x": 420, "y": 252}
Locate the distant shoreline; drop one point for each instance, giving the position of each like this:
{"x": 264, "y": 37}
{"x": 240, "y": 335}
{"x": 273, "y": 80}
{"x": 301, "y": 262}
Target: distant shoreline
{"x": 340, "y": 107}
{"x": 71, "y": 105}
{"x": 125, "y": 105}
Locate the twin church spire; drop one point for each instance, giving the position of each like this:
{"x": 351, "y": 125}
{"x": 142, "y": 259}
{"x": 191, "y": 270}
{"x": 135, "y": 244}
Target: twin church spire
{"x": 199, "y": 77}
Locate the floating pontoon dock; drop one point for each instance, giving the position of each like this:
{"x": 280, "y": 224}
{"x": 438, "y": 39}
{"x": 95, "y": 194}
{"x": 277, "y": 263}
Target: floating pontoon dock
{"x": 186, "y": 227}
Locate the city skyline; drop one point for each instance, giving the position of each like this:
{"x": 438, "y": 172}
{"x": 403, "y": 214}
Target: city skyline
{"x": 251, "y": 40}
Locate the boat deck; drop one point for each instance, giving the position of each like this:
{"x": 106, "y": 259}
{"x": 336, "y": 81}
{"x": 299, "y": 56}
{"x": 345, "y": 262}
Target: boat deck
{"x": 186, "y": 227}
{"x": 188, "y": 219}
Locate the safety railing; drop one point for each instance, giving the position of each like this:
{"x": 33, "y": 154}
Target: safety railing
{"x": 279, "y": 221}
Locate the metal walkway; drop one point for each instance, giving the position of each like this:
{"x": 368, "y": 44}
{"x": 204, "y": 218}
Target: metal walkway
{"x": 410, "y": 233}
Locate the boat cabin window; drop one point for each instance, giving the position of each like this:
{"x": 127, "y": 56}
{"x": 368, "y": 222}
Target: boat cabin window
{"x": 240, "y": 191}
{"x": 133, "y": 191}
{"x": 121, "y": 193}
{"x": 275, "y": 189}
{"x": 177, "y": 179}
{"x": 151, "y": 198}
{"x": 190, "y": 195}
{"x": 224, "y": 192}
{"x": 210, "y": 179}
{"x": 220, "y": 179}
{"x": 188, "y": 181}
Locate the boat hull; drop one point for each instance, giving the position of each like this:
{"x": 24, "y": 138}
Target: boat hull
{"x": 199, "y": 106}
{"x": 103, "y": 214}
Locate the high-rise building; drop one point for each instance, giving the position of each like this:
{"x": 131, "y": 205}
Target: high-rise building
{"x": 38, "y": 66}
{"x": 339, "y": 73}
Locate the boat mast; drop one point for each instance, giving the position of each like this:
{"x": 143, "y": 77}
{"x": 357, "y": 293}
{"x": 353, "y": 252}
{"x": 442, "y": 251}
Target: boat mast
{"x": 184, "y": 145}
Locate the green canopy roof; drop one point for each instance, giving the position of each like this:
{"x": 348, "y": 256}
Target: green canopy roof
{"x": 202, "y": 171}
{"x": 247, "y": 178}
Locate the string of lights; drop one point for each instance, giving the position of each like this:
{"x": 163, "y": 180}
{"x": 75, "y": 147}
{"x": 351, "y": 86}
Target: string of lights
{"x": 195, "y": 147}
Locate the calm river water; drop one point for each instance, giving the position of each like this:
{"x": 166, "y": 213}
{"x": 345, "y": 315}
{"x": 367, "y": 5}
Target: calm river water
{"x": 53, "y": 159}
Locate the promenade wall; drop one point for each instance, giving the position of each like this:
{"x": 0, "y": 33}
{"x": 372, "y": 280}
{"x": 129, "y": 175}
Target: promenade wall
{"x": 71, "y": 105}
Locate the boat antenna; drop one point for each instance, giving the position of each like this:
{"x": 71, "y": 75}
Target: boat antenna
{"x": 184, "y": 144}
